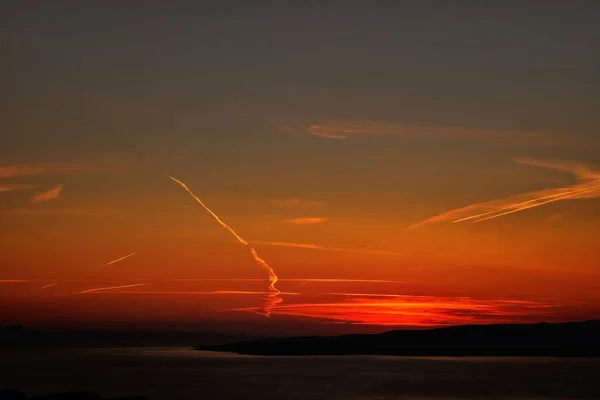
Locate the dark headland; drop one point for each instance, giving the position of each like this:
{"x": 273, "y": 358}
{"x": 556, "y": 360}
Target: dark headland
{"x": 573, "y": 339}
{"x": 17, "y": 395}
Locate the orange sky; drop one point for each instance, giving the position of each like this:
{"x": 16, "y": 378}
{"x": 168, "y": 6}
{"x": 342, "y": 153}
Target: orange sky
{"x": 166, "y": 259}
{"x": 386, "y": 181}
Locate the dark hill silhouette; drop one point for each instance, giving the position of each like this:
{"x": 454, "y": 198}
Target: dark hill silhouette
{"x": 574, "y": 339}
{"x": 16, "y": 336}
{"x": 17, "y": 395}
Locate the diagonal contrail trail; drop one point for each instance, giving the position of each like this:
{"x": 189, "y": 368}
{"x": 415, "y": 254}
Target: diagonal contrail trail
{"x": 587, "y": 187}
{"x": 49, "y": 285}
{"x": 522, "y": 205}
{"x": 271, "y": 298}
{"x": 539, "y": 203}
{"x": 118, "y": 259}
{"x": 111, "y": 288}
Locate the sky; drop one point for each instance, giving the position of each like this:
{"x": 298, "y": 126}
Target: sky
{"x": 300, "y": 166}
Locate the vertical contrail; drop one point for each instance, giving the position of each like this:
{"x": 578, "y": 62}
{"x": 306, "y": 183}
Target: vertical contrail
{"x": 271, "y": 298}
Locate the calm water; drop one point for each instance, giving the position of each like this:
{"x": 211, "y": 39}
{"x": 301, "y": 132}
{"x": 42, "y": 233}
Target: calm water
{"x": 178, "y": 373}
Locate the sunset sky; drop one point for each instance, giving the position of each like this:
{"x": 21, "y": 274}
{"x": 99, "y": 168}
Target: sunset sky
{"x": 396, "y": 164}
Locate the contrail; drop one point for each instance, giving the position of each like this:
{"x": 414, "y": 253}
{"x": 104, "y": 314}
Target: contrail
{"x": 110, "y": 288}
{"x": 523, "y": 205}
{"x": 271, "y": 298}
{"x": 575, "y": 193}
{"x": 514, "y": 206}
{"x": 118, "y": 259}
{"x": 588, "y": 187}
{"x": 49, "y": 285}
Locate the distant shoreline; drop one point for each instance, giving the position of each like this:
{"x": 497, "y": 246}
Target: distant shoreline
{"x": 573, "y": 339}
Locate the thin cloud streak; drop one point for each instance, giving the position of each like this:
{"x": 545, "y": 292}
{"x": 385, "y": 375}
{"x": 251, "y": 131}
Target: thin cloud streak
{"x": 336, "y": 280}
{"x": 311, "y": 246}
{"x": 588, "y": 187}
{"x": 51, "y": 194}
{"x": 282, "y": 280}
{"x": 49, "y": 285}
{"x": 11, "y": 171}
{"x": 81, "y": 212}
{"x": 192, "y": 293}
{"x": 305, "y": 220}
{"x": 111, "y": 288}
{"x": 295, "y": 202}
{"x": 13, "y": 187}
{"x": 347, "y": 129}
{"x": 325, "y": 280}
{"x": 118, "y": 259}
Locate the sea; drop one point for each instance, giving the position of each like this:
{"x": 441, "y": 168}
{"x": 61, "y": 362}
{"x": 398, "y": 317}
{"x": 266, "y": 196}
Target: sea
{"x": 171, "y": 373}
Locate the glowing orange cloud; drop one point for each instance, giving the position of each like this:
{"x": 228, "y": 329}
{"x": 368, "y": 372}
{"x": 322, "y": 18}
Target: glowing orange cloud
{"x": 323, "y": 280}
{"x": 416, "y": 311}
{"x": 336, "y": 280}
{"x": 271, "y": 298}
{"x": 118, "y": 259}
{"x": 51, "y": 194}
{"x": 214, "y": 292}
{"x": 346, "y": 129}
{"x": 306, "y": 220}
{"x": 587, "y": 188}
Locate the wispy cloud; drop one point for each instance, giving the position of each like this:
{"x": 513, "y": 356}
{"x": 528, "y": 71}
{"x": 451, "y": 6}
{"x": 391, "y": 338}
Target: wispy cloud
{"x": 50, "y": 194}
{"x": 305, "y": 220}
{"x": 101, "y": 289}
{"x": 311, "y": 246}
{"x": 82, "y": 212}
{"x": 588, "y": 187}
{"x": 418, "y": 310}
{"x": 347, "y": 129}
{"x": 295, "y": 202}
{"x": 197, "y": 293}
{"x": 11, "y": 187}
{"x": 11, "y": 171}
{"x": 324, "y": 280}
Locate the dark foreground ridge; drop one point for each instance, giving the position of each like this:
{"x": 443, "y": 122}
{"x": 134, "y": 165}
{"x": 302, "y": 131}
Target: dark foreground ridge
{"x": 15, "y": 337}
{"x": 17, "y": 395}
{"x": 573, "y": 339}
